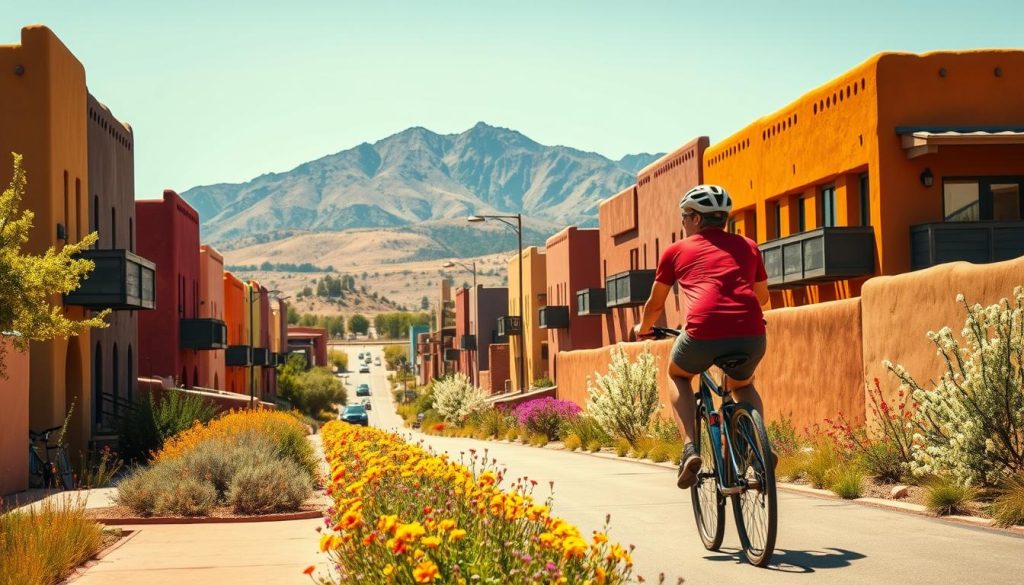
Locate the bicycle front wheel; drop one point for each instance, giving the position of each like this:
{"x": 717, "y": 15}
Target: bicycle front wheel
{"x": 755, "y": 508}
{"x": 708, "y": 502}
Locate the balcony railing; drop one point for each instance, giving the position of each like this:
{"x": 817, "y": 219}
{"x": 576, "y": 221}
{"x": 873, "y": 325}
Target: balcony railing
{"x": 590, "y": 301}
{"x": 121, "y": 281}
{"x": 554, "y": 317}
{"x": 821, "y": 255}
{"x": 467, "y": 342}
{"x": 509, "y": 325}
{"x": 238, "y": 355}
{"x": 261, "y": 357}
{"x": 452, "y": 354}
{"x": 203, "y": 334}
{"x": 977, "y": 241}
{"x": 495, "y": 338}
{"x": 628, "y": 289}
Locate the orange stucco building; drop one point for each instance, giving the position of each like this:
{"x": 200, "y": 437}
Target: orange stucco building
{"x": 44, "y": 118}
{"x": 903, "y": 162}
{"x": 211, "y": 306}
{"x": 571, "y": 266}
{"x": 534, "y": 297}
{"x": 238, "y": 356}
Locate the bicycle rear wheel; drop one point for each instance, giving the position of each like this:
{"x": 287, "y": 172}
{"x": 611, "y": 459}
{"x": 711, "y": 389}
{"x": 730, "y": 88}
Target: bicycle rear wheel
{"x": 708, "y": 502}
{"x": 756, "y": 508}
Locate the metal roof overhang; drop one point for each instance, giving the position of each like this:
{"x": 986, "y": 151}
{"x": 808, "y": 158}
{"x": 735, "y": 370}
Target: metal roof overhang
{"x": 919, "y": 141}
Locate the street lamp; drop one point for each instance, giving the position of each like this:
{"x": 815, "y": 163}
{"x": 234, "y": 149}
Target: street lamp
{"x": 518, "y": 227}
{"x": 252, "y": 366}
{"x": 450, "y": 264}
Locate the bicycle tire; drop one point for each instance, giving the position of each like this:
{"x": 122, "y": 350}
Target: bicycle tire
{"x": 36, "y": 469}
{"x": 707, "y": 500}
{"x": 756, "y": 510}
{"x": 65, "y": 473}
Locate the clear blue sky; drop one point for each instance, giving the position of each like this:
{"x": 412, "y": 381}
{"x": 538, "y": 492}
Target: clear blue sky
{"x": 224, "y": 91}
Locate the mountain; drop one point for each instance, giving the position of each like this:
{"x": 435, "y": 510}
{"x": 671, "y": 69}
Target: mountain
{"x": 418, "y": 177}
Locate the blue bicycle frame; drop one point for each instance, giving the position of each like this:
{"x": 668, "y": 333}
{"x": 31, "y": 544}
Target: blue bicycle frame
{"x": 717, "y": 421}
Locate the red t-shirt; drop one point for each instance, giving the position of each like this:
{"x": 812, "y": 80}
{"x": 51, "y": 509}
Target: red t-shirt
{"x": 717, "y": 271}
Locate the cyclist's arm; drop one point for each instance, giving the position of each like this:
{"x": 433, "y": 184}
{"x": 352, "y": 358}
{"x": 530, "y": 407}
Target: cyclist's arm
{"x": 654, "y": 306}
{"x": 761, "y": 290}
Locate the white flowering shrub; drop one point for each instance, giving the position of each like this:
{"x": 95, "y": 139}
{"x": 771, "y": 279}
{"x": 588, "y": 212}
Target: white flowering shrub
{"x": 970, "y": 424}
{"x": 455, "y": 398}
{"x": 624, "y": 401}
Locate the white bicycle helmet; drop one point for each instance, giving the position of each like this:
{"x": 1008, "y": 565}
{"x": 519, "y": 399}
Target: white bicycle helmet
{"x": 706, "y": 199}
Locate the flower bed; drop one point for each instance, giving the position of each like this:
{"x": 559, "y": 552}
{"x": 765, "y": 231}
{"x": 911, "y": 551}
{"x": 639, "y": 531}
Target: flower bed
{"x": 404, "y": 515}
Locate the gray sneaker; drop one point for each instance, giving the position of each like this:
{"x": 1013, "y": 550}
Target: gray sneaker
{"x": 689, "y": 467}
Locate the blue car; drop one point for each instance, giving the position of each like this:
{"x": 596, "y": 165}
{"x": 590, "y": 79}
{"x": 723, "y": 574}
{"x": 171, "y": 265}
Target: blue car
{"x": 355, "y": 414}
{"x": 363, "y": 390}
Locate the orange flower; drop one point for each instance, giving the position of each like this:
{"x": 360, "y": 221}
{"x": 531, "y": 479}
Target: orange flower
{"x": 425, "y": 572}
{"x": 457, "y": 534}
{"x": 431, "y": 541}
{"x": 309, "y": 570}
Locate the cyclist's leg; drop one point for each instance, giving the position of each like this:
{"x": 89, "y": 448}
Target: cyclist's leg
{"x": 683, "y": 404}
{"x": 744, "y": 391}
{"x": 740, "y": 380}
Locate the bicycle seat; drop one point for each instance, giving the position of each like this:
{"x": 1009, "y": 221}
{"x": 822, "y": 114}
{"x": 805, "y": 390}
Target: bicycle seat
{"x": 731, "y": 360}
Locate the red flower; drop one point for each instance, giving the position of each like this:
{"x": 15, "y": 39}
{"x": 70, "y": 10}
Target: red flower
{"x": 309, "y": 570}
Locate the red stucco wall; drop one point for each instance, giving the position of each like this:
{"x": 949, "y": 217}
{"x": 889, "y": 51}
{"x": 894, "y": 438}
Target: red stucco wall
{"x": 573, "y": 264}
{"x": 14, "y": 421}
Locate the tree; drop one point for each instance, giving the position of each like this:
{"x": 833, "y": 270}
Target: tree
{"x": 307, "y": 291}
{"x": 425, "y": 303}
{"x": 28, "y": 282}
{"x": 308, "y": 320}
{"x": 321, "y": 288}
{"x": 335, "y": 325}
{"x": 359, "y": 324}
{"x": 266, "y": 266}
{"x": 293, "y": 315}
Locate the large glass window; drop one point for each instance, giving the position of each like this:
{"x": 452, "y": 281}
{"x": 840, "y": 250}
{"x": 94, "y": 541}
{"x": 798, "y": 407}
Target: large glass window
{"x": 961, "y": 201}
{"x": 1005, "y": 201}
{"x": 828, "y": 206}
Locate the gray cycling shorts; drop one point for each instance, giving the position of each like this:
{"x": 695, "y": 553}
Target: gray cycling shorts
{"x": 697, "y": 355}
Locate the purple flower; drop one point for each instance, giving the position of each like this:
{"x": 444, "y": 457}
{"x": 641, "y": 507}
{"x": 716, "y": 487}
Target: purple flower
{"x": 546, "y": 415}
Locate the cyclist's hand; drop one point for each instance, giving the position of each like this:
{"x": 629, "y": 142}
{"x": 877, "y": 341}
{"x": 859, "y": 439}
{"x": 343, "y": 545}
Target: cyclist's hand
{"x": 637, "y": 334}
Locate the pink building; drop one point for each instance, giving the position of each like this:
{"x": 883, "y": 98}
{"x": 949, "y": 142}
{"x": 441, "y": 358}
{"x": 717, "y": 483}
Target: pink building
{"x": 572, "y": 268}
{"x": 211, "y": 306}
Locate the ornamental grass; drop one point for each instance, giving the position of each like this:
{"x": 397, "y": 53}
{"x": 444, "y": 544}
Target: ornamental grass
{"x": 404, "y": 515}
{"x": 42, "y": 544}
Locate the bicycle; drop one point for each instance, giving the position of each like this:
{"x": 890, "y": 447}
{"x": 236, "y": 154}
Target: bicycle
{"x": 746, "y": 479}
{"x": 49, "y": 473}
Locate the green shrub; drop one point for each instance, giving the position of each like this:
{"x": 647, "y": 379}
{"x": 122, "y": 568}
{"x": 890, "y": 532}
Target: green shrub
{"x": 338, "y": 359}
{"x": 783, "y": 437}
{"x": 665, "y": 430}
{"x": 492, "y": 422}
{"x": 187, "y": 496}
{"x": 884, "y": 461}
{"x": 1008, "y": 507}
{"x": 793, "y": 466}
{"x": 822, "y": 462}
{"x": 593, "y": 446}
{"x": 622, "y": 446}
{"x": 138, "y": 490}
{"x": 538, "y": 439}
{"x": 642, "y": 446}
{"x": 572, "y": 442}
{"x": 587, "y": 429}
{"x": 666, "y": 451}
{"x": 143, "y": 430}
{"x": 943, "y": 497}
{"x": 626, "y": 399}
{"x": 214, "y": 461}
{"x": 543, "y": 383}
{"x": 512, "y": 434}
{"x": 268, "y": 485}
{"x": 847, "y": 481}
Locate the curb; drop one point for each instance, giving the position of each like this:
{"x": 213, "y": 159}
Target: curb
{"x": 306, "y": 515}
{"x": 80, "y": 570}
{"x": 891, "y": 505}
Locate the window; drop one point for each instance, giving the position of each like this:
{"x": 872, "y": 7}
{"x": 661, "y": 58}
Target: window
{"x": 865, "y": 200}
{"x": 778, "y": 218}
{"x": 828, "y": 206}
{"x": 1006, "y": 202}
{"x": 961, "y": 201}
{"x": 116, "y": 386}
{"x": 113, "y": 228}
{"x": 97, "y": 385}
{"x": 732, "y": 226}
{"x": 801, "y": 220}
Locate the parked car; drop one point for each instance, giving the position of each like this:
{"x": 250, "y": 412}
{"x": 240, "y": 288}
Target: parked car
{"x": 419, "y": 421}
{"x": 362, "y": 354}
{"x": 355, "y": 414}
{"x": 367, "y": 404}
{"x": 363, "y": 390}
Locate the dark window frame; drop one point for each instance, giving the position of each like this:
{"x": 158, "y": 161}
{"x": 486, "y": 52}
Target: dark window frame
{"x": 986, "y": 207}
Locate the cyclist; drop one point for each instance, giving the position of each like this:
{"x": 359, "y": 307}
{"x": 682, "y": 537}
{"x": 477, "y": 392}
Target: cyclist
{"x": 725, "y": 285}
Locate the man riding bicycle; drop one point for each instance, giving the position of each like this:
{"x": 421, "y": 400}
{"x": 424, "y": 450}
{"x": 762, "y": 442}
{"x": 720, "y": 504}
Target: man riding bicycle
{"x": 725, "y": 285}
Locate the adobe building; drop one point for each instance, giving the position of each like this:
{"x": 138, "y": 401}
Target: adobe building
{"x": 627, "y": 284}
{"x": 535, "y": 296}
{"x": 311, "y": 341}
{"x": 415, "y": 344}
{"x": 122, "y": 280}
{"x": 572, "y": 266}
{"x": 45, "y": 118}
{"x": 238, "y": 355}
{"x": 263, "y": 360}
{"x": 279, "y": 336}
{"x": 464, "y": 335}
{"x": 487, "y": 304}
{"x": 903, "y": 162}
{"x": 14, "y": 418}
{"x": 211, "y": 306}
{"x": 173, "y": 336}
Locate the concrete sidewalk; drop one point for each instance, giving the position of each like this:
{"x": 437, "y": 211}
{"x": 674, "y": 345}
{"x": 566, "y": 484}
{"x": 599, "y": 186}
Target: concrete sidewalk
{"x": 219, "y": 554}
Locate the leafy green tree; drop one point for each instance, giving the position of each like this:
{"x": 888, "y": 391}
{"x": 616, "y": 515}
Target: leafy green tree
{"x": 307, "y": 291}
{"x": 335, "y": 325}
{"x": 266, "y": 266}
{"x": 29, "y": 282}
{"x": 308, "y": 320}
{"x": 321, "y": 288}
{"x": 425, "y": 303}
{"x": 293, "y": 315}
{"x": 359, "y": 324}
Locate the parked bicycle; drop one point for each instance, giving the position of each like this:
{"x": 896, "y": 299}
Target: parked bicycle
{"x": 48, "y": 471}
{"x": 737, "y": 463}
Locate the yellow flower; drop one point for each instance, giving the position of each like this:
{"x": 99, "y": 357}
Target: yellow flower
{"x": 446, "y": 525}
{"x": 457, "y": 534}
{"x": 574, "y": 546}
{"x": 546, "y": 538}
{"x": 388, "y": 569}
{"x": 431, "y": 541}
{"x": 600, "y": 537}
{"x": 425, "y": 572}
{"x": 410, "y": 532}
{"x": 387, "y": 523}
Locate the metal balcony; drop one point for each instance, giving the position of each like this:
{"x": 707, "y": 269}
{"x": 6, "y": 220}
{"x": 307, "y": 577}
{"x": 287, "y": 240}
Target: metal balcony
{"x": 628, "y": 289}
{"x": 203, "y": 334}
{"x": 590, "y": 301}
{"x": 467, "y": 342}
{"x": 821, "y": 255}
{"x": 121, "y": 281}
{"x": 452, "y": 354}
{"x": 979, "y": 242}
{"x": 261, "y": 356}
{"x": 554, "y": 317}
{"x": 238, "y": 355}
{"x": 509, "y": 325}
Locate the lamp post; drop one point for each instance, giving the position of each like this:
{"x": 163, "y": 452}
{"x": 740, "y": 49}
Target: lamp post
{"x": 518, "y": 227}
{"x": 450, "y": 264}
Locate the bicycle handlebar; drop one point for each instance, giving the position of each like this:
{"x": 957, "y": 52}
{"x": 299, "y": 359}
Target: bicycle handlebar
{"x": 660, "y": 333}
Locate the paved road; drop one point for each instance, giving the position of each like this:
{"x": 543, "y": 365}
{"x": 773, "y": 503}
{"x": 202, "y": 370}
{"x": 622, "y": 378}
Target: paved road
{"x": 819, "y": 541}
